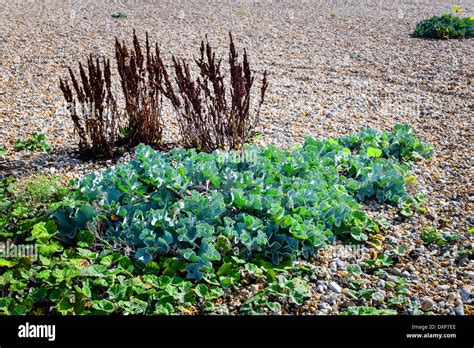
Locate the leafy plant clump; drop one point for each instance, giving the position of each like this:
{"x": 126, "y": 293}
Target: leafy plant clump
{"x": 266, "y": 301}
{"x": 18, "y": 200}
{"x": 264, "y": 202}
{"x": 431, "y": 236}
{"x": 39, "y": 276}
{"x": 446, "y": 26}
{"x": 36, "y": 142}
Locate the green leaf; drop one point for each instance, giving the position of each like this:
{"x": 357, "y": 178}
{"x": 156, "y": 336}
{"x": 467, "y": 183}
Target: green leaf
{"x": 274, "y": 307}
{"x": 374, "y": 152}
{"x": 354, "y": 269}
{"x": 7, "y": 263}
{"x": 202, "y": 291}
{"x": 65, "y": 306}
{"x": 208, "y": 306}
{"x": 85, "y": 238}
{"x": 102, "y": 307}
{"x": 119, "y": 292}
{"x": 19, "y": 310}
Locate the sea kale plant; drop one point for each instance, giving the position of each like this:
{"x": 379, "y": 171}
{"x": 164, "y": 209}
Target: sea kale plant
{"x": 264, "y": 202}
{"x": 212, "y": 115}
{"x": 446, "y": 26}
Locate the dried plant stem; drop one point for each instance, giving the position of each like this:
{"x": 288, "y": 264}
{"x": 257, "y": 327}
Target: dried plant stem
{"x": 207, "y": 119}
{"x": 93, "y": 109}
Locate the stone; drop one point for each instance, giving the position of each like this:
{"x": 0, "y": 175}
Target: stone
{"x": 442, "y": 287}
{"x": 323, "y": 305}
{"x": 465, "y": 294}
{"x": 405, "y": 274}
{"x": 427, "y": 304}
{"x": 333, "y": 286}
{"x": 459, "y": 310}
{"x": 396, "y": 271}
{"x": 341, "y": 264}
{"x": 452, "y": 297}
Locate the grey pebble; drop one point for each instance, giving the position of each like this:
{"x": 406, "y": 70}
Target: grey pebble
{"x": 335, "y": 287}
{"x": 459, "y": 310}
{"x": 341, "y": 264}
{"x": 427, "y": 304}
{"x": 396, "y": 271}
{"x": 465, "y": 294}
{"x": 323, "y": 305}
{"x": 405, "y": 274}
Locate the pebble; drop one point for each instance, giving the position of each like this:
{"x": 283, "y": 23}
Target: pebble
{"x": 332, "y": 299}
{"x": 333, "y": 286}
{"x": 254, "y": 288}
{"x": 341, "y": 264}
{"x": 396, "y": 271}
{"x": 323, "y": 305}
{"x": 465, "y": 294}
{"x": 459, "y": 310}
{"x": 452, "y": 297}
{"x": 427, "y": 304}
{"x": 405, "y": 274}
{"x": 443, "y": 287}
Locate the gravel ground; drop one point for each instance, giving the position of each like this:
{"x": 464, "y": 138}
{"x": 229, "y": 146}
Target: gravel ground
{"x": 334, "y": 67}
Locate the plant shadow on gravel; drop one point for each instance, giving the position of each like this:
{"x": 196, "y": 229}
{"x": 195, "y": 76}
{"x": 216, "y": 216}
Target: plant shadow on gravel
{"x": 54, "y": 158}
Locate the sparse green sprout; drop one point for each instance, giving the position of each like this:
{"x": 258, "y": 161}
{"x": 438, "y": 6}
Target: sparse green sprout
{"x": 380, "y": 260}
{"x": 354, "y": 269}
{"x": 400, "y": 251}
{"x": 119, "y": 15}
{"x": 3, "y": 151}
{"x": 431, "y": 236}
{"x": 42, "y": 188}
{"x": 365, "y": 310}
{"x": 37, "y": 142}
